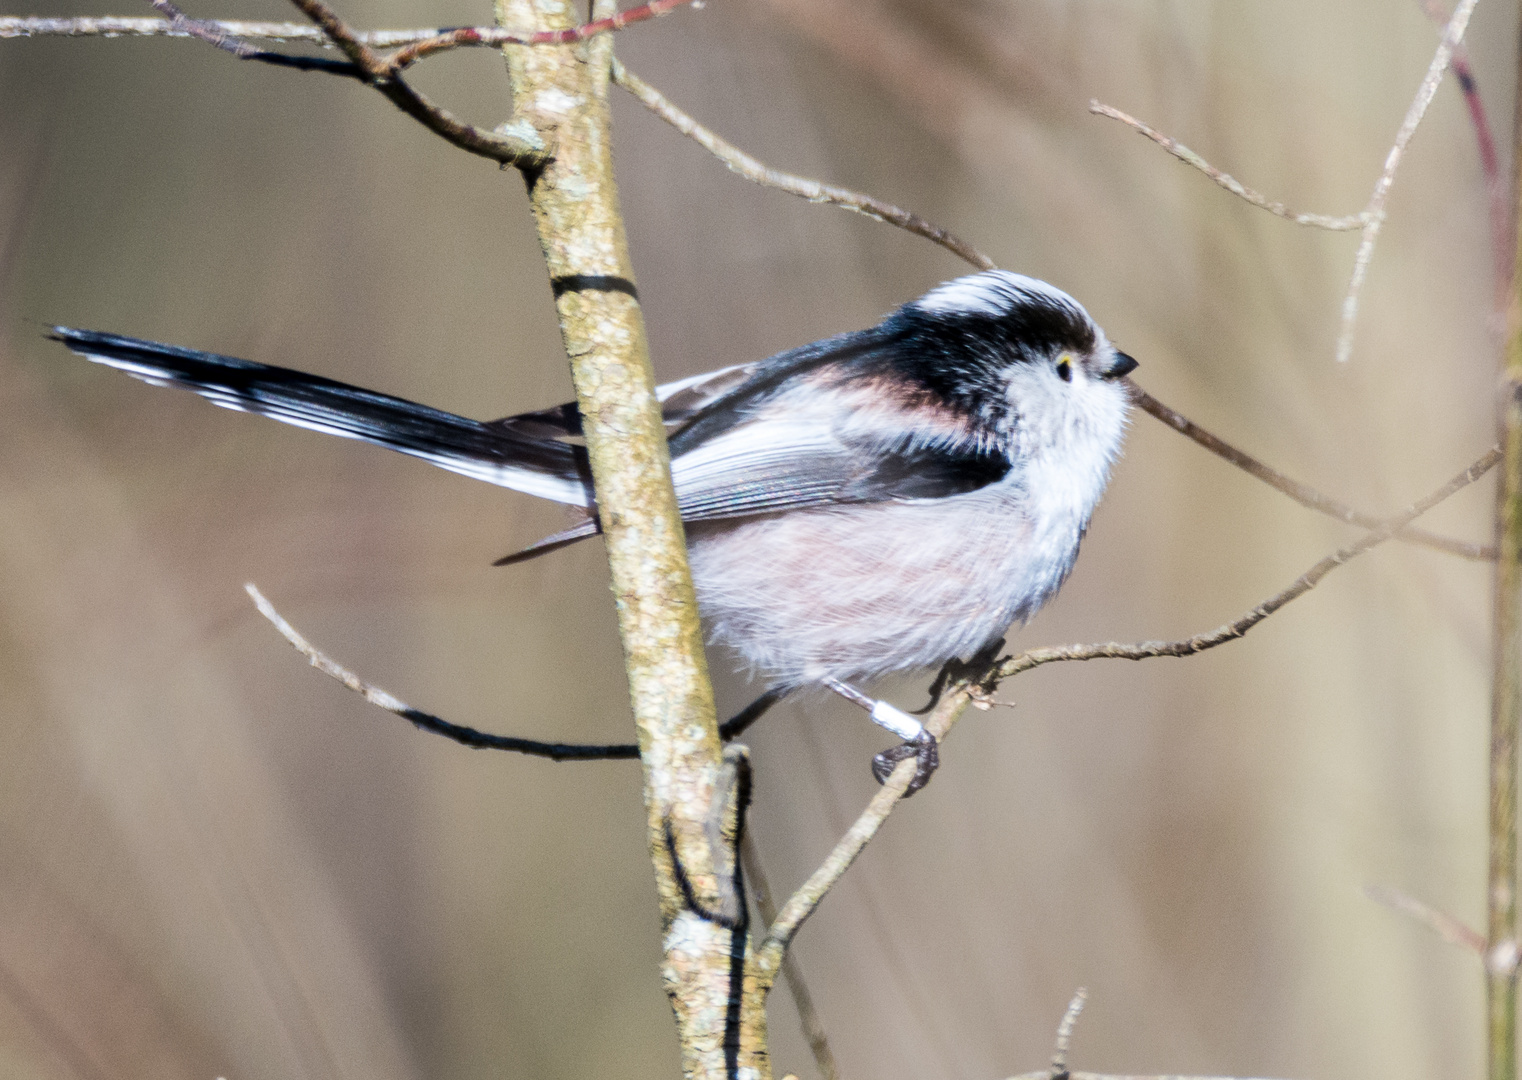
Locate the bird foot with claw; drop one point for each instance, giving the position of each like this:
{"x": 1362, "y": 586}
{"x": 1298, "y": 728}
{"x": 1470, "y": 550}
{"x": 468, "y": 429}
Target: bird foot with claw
{"x": 918, "y": 743}
{"x": 923, "y": 748}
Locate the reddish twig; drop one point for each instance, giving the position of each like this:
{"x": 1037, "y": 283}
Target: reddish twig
{"x": 1502, "y": 229}
{"x": 1440, "y": 923}
{"x": 473, "y": 35}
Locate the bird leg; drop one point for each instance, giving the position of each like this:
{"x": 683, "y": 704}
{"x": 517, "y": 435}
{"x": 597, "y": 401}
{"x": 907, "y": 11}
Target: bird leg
{"x": 918, "y": 743}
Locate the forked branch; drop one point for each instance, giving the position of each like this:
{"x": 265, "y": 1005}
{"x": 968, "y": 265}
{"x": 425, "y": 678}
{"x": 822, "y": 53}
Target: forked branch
{"x": 520, "y": 148}
{"x": 1452, "y": 35}
{"x": 523, "y": 150}
{"x": 1372, "y": 217}
{"x": 808, "y": 1015}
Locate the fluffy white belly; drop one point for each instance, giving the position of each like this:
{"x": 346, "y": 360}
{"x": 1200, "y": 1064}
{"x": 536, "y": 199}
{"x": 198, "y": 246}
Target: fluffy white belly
{"x": 860, "y": 591}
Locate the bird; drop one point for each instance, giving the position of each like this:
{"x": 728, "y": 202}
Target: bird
{"x": 884, "y": 500}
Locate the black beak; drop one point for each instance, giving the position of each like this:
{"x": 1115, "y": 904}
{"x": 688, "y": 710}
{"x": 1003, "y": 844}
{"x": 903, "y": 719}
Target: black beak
{"x": 1122, "y": 366}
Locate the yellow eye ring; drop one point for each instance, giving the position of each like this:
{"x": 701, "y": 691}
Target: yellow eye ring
{"x": 1065, "y": 368}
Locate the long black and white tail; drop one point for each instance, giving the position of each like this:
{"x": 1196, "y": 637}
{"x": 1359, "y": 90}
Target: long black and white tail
{"x": 543, "y": 467}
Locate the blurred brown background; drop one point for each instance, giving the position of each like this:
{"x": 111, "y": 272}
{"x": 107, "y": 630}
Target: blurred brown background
{"x": 215, "y": 862}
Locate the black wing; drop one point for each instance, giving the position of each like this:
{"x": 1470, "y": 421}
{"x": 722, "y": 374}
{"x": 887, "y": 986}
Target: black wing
{"x": 821, "y": 445}
{"x": 833, "y": 422}
{"x": 680, "y": 402}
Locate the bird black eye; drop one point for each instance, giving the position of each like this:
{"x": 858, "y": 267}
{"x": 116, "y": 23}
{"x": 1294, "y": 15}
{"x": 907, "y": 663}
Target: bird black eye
{"x": 1065, "y": 369}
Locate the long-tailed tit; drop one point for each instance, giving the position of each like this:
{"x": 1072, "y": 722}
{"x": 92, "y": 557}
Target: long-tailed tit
{"x": 884, "y": 500}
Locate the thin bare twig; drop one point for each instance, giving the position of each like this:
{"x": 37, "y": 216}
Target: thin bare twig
{"x": 1440, "y": 923}
{"x": 742, "y": 164}
{"x": 114, "y": 26}
{"x": 808, "y": 1015}
{"x": 1503, "y": 245}
{"x": 1046, "y": 1075}
{"x": 807, "y": 898}
{"x": 213, "y": 35}
{"x": 413, "y": 44}
{"x": 341, "y": 35}
{"x": 373, "y": 694}
{"x": 427, "y": 721}
{"x": 1226, "y": 180}
{"x": 1060, "y": 1070}
{"x": 1303, "y": 494}
{"x": 1372, "y": 218}
{"x": 1145, "y": 650}
{"x": 748, "y": 167}
{"x": 474, "y": 737}
{"x": 812, "y": 892}
{"x": 1065, "y": 1027}
{"x": 1375, "y": 210}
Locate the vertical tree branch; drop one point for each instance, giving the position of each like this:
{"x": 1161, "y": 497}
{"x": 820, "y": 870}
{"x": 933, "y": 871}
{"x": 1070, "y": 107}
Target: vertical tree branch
{"x": 1501, "y": 953}
{"x": 563, "y": 92}
{"x": 1506, "y": 704}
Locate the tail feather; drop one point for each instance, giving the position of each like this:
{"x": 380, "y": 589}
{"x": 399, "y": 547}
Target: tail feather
{"x": 536, "y": 466}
